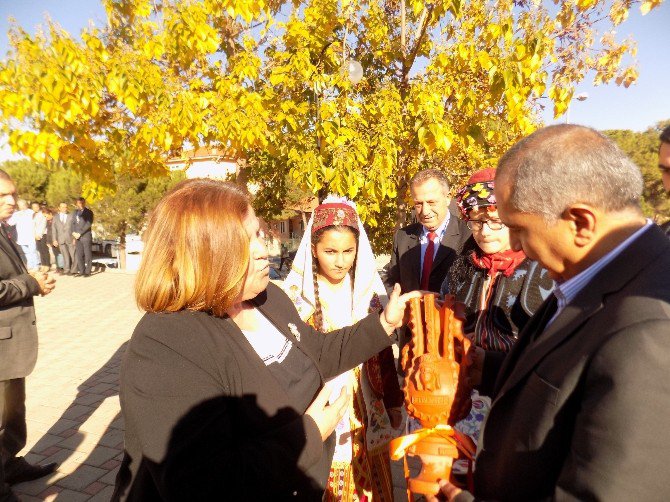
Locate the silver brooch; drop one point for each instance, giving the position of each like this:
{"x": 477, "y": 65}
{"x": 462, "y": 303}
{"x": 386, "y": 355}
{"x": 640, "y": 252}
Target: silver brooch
{"x": 294, "y": 330}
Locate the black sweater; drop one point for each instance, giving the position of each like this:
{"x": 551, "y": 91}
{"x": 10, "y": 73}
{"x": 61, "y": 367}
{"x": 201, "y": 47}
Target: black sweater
{"x": 205, "y": 419}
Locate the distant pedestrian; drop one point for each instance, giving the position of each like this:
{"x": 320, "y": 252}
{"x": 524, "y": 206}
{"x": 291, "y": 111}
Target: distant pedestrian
{"x": 63, "y": 239}
{"x": 40, "y": 229}
{"x": 81, "y": 231}
{"x": 22, "y": 219}
{"x": 49, "y": 237}
{"x": 283, "y": 258}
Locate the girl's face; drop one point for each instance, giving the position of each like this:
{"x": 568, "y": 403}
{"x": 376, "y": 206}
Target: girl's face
{"x": 335, "y": 254}
{"x": 490, "y": 241}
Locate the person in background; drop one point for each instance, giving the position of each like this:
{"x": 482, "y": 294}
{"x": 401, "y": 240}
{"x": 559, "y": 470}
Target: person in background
{"x": 22, "y": 220}
{"x": 423, "y": 251}
{"x": 81, "y": 231}
{"x": 40, "y": 230}
{"x": 500, "y": 287}
{"x": 18, "y": 350}
{"x": 283, "y": 255}
{"x": 333, "y": 283}
{"x": 222, "y": 386}
{"x": 664, "y": 166}
{"x": 63, "y": 239}
{"x": 49, "y": 236}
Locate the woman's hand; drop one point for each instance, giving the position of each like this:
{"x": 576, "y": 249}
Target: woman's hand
{"x": 394, "y": 314}
{"x": 326, "y": 416}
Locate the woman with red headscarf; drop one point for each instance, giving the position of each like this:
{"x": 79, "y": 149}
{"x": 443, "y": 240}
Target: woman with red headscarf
{"x": 500, "y": 287}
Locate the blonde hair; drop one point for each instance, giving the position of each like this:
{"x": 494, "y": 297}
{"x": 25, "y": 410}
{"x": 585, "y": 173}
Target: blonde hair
{"x": 196, "y": 250}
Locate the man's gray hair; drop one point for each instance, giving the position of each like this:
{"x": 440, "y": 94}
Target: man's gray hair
{"x": 430, "y": 174}
{"x": 564, "y": 164}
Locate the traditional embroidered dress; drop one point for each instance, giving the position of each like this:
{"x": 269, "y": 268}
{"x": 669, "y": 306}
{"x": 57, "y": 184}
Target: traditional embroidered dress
{"x": 360, "y": 469}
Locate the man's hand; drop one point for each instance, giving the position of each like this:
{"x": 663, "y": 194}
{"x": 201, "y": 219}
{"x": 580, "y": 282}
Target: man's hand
{"x": 326, "y": 416}
{"x": 46, "y": 282}
{"x": 76, "y": 235}
{"x": 55, "y": 244}
{"x": 447, "y": 492}
{"x": 394, "y": 314}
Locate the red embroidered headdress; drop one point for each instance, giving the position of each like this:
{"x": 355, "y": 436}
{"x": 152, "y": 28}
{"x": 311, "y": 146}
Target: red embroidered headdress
{"x": 334, "y": 214}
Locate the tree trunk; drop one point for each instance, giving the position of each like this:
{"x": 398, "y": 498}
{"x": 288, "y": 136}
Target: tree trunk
{"x": 122, "y": 256}
{"x": 242, "y": 174}
{"x": 122, "y": 251}
{"x": 403, "y": 184}
{"x": 401, "y": 211}
{"x": 323, "y": 192}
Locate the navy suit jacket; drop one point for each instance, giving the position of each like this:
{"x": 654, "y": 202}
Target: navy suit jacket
{"x": 579, "y": 412}
{"x": 405, "y": 265}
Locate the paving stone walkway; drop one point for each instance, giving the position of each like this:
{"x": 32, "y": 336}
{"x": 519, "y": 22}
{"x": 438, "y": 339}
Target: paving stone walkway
{"x": 72, "y": 396}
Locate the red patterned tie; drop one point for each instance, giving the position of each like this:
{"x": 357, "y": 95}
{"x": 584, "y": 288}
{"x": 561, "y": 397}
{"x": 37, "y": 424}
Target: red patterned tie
{"x": 428, "y": 261}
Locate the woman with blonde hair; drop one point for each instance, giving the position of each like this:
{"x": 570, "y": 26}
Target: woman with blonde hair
{"x": 334, "y": 282}
{"x": 222, "y": 389}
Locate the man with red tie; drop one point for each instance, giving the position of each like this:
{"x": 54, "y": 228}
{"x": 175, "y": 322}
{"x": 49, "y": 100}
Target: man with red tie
{"x": 424, "y": 251}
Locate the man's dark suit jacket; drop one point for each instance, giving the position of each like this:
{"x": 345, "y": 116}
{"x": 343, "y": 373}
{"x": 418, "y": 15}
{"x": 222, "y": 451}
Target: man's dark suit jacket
{"x": 405, "y": 265}
{"x": 580, "y": 413}
{"x": 18, "y": 332}
{"x": 82, "y": 227}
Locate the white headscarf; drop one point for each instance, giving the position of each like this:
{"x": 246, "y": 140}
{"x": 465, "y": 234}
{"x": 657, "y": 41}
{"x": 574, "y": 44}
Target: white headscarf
{"x": 299, "y": 284}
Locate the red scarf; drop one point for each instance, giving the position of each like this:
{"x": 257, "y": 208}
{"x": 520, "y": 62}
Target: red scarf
{"x": 505, "y": 262}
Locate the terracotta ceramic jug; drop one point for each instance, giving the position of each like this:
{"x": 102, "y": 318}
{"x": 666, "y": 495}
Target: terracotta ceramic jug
{"x": 436, "y": 394}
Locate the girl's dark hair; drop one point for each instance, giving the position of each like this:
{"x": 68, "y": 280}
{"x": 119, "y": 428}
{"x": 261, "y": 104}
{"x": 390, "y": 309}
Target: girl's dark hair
{"x": 316, "y": 237}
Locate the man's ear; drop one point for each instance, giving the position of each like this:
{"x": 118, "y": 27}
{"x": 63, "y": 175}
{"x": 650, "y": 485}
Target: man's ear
{"x": 583, "y": 220}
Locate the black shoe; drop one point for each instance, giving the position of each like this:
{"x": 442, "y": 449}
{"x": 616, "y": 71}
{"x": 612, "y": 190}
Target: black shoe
{"x": 87, "y": 275}
{"x": 17, "y": 470}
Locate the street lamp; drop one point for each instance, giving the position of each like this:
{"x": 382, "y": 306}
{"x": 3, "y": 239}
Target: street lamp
{"x": 582, "y": 96}
{"x": 354, "y": 71}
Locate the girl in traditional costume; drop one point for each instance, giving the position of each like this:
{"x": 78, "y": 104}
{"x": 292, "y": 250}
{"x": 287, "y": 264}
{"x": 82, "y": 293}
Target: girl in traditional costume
{"x": 334, "y": 282}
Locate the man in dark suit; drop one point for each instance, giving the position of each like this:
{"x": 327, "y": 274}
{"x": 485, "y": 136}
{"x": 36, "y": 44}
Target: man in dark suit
{"x": 18, "y": 349}
{"x": 438, "y": 235}
{"x": 81, "y": 231}
{"x": 63, "y": 239}
{"x": 577, "y": 404}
